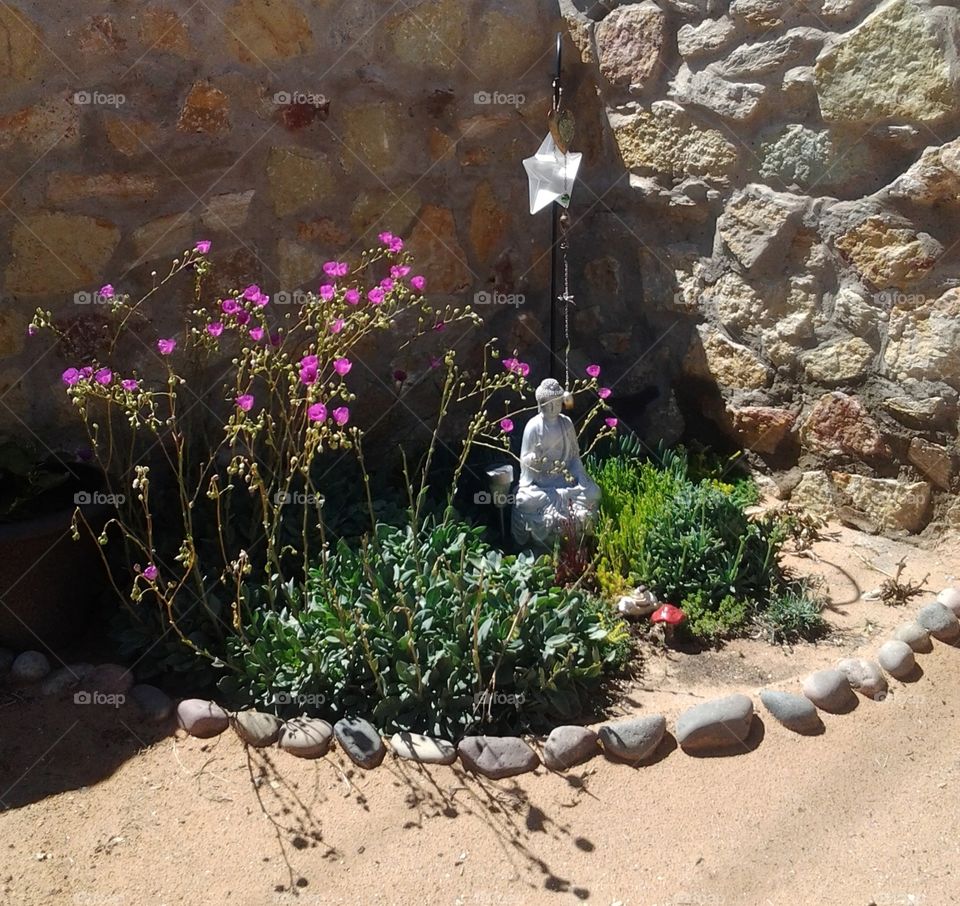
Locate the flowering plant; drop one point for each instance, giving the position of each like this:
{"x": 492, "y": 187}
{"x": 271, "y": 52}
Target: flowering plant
{"x": 226, "y": 515}
{"x": 285, "y": 401}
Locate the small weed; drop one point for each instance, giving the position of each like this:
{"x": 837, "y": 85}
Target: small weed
{"x": 895, "y": 593}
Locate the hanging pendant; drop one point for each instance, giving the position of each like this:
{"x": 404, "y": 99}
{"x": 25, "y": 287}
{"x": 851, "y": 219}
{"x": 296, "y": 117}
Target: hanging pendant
{"x": 551, "y": 175}
{"x": 562, "y": 127}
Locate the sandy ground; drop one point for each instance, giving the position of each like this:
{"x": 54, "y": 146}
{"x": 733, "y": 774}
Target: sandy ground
{"x": 100, "y": 811}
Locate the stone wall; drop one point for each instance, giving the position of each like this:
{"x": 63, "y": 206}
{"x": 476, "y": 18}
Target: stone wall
{"x": 782, "y": 237}
{"x": 285, "y": 131}
{"x": 762, "y": 245}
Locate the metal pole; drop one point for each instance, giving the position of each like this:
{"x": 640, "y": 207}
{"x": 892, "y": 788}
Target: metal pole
{"x": 555, "y": 217}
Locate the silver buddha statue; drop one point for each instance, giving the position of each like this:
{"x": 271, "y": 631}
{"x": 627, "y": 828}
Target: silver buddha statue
{"x": 555, "y": 495}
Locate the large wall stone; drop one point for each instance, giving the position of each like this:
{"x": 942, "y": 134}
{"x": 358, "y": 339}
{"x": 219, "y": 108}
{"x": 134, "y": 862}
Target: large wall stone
{"x": 665, "y": 140}
{"x": 262, "y": 31}
{"x": 889, "y": 255}
{"x": 630, "y": 42}
{"x": 897, "y": 64}
{"x": 925, "y": 341}
{"x": 21, "y": 45}
{"x": 58, "y": 253}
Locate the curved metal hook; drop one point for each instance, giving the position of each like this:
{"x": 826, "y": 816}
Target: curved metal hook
{"x": 557, "y": 88}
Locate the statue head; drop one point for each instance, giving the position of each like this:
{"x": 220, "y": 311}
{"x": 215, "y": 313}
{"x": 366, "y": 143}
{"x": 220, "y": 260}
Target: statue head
{"x": 549, "y": 397}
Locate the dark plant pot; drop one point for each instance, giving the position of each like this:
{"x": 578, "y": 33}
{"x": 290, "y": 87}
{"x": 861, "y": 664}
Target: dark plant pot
{"x": 49, "y": 582}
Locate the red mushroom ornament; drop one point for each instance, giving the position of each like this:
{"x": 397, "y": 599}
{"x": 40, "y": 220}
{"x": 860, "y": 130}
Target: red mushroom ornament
{"x": 668, "y": 618}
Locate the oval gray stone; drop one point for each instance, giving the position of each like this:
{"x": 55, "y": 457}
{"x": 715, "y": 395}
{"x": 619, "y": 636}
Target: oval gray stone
{"x": 256, "y": 728}
{"x": 306, "y": 737}
{"x": 949, "y": 597}
{"x": 634, "y": 739}
{"x": 64, "y": 678}
{"x": 716, "y": 725}
{"x": 793, "y": 711}
{"x": 864, "y": 677}
{"x": 360, "y": 741}
{"x": 569, "y": 746}
{"x": 896, "y": 657}
{"x": 497, "y": 757}
{"x": 938, "y": 620}
{"x": 29, "y": 667}
{"x": 154, "y": 705}
{"x": 425, "y": 749}
{"x": 202, "y": 718}
{"x": 829, "y": 690}
{"x": 110, "y": 679}
{"x": 915, "y": 636}
{"x": 6, "y": 660}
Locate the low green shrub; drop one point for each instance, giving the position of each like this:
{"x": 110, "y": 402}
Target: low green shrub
{"x": 793, "y": 615}
{"x": 685, "y": 534}
{"x": 430, "y": 631}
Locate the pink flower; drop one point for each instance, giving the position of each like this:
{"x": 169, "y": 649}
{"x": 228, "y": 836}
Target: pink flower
{"x": 106, "y": 291}
{"x": 375, "y": 295}
{"x": 166, "y": 347}
{"x": 336, "y": 268}
{"x": 230, "y": 306}
{"x": 215, "y": 328}
{"x": 203, "y": 246}
{"x": 256, "y": 334}
{"x": 506, "y": 425}
{"x": 386, "y": 238}
{"x": 396, "y": 246}
{"x": 252, "y": 293}
{"x": 342, "y": 366}
{"x": 399, "y": 271}
{"x": 261, "y": 300}
{"x": 515, "y": 366}
{"x": 611, "y": 422}
{"x": 245, "y": 402}
{"x": 418, "y": 283}
{"x": 70, "y": 376}
{"x": 275, "y": 338}
{"x": 327, "y": 291}
{"x": 104, "y": 376}
{"x": 130, "y": 384}
{"x": 31, "y": 330}
{"x": 593, "y": 371}
{"x": 352, "y": 296}
{"x": 150, "y": 573}
{"x": 86, "y": 372}
{"x": 604, "y": 392}
{"x": 243, "y": 316}
{"x": 337, "y": 326}
{"x": 317, "y": 412}
{"x": 308, "y": 370}
{"x": 341, "y": 415}
{"x": 387, "y": 283}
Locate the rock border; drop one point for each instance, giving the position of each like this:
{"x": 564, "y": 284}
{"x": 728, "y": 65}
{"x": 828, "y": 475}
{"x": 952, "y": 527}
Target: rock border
{"x": 720, "y": 726}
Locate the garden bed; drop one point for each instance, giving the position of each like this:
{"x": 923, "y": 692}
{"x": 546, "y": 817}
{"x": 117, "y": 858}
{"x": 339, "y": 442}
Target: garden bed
{"x": 99, "y": 794}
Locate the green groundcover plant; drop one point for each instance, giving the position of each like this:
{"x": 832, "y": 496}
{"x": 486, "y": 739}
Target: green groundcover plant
{"x": 222, "y": 544}
{"x": 431, "y": 631}
{"x": 666, "y": 522}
